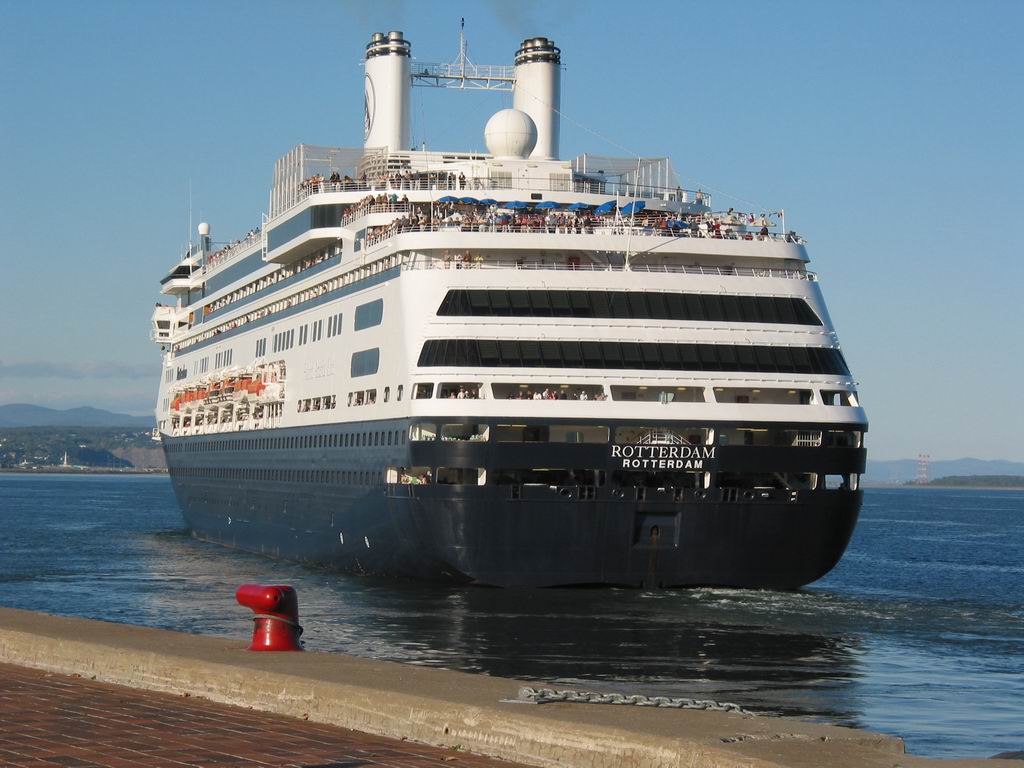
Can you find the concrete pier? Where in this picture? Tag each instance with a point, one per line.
(437, 707)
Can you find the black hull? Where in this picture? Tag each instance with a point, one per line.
(530, 535)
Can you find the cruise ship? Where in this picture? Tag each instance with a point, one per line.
(507, 368)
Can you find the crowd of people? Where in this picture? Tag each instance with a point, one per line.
(494, 218)
(265, 282)
(396, 180)
(213, 259)
(554, 394)
(462, 393)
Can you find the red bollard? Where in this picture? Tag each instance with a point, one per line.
(276, 623)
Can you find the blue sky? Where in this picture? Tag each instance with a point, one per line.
(890, 133)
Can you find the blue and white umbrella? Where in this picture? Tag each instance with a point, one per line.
(605, 208)
(547, 205)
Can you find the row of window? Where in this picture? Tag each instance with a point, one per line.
(221, 359)
(641, 482)
(339, 283)
(521, 433)
(311, 332)
(334, 325)
(641, 435)
(628, 305)
(326, 476)
(325, 403)
(617, 355)
(284, 340)
(369, 396)
(347, 439)
(261, 347)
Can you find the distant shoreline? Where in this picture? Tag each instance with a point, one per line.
(911, 487)
(80, 471)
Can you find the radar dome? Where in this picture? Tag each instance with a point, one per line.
(204, 229)
(510, 133)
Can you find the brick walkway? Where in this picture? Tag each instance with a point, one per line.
(54, 720)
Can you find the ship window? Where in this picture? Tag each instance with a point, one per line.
(801, 360)
(478, 303)
(713, 307)
(461, 476)
(520, 303)
(631, 355)
(770, 311)
(401, 387)
(618, 305)
(837, 397)
(413, 475)
(459, 391)
(560, 306)
(727, 357)
(543, 476)
(551, 354)
(369, 314)
(619, 355)
(612, 354)
(784, 359)
(765, 359)
(571, 355)
(423, 392)
(842, 438)
(580, 304)
(731, 311)
(467, 432)
(650, 355)
(489, 355)
(509, 354)
(422, 431)
(499, 302)
(592, 357)
(638, 305)
(836, 482)
(684, 306)
(786, 312)
(541, 303)
(366, 362)
(520, 433)
(530, 353)
(577, 433)
(387, 393)
(750, 309)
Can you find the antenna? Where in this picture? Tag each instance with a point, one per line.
(463, 55)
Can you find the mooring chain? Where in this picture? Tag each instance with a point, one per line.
(545, 695)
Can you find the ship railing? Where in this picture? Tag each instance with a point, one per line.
(228, 253)
(681, 269)
(446, 182)
(600, 228)
(366, 210)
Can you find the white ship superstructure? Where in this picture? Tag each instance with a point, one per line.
(508, 368)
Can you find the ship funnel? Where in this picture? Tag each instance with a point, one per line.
(538, 91)
(388, 92)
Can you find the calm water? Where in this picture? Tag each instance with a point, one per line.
(918, 632)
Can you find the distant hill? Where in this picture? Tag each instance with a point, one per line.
(24, 415)
(979, 481)
(905, 470)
